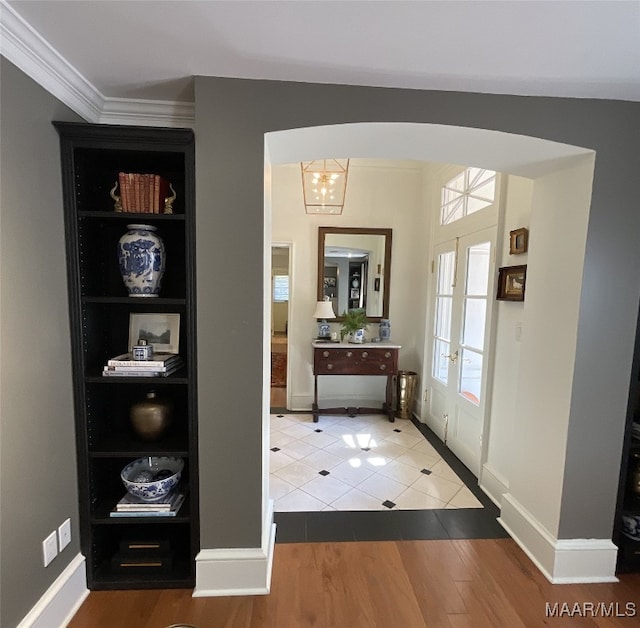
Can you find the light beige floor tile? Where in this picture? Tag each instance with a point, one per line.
(416, 500)
(437, 487)
(322, 459)
(381, 487)
(357, 500)
(426, 448)
(299, 449)
(389, 470)
(443, 470)
(278, 459)
(297, 501)
(319, 439)
(417, 459)
(464, 498)
(279, 439)
(297, 431)
(326, 488)
(400, 472)
(352, 471)
(388, 449)
(278, 487)
(297, 473)
(405, 439)
(345, 448)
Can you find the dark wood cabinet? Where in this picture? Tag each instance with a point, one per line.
(627, 524)
(99, 306)
(355, 359)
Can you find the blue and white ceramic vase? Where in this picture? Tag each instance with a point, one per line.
(141, 256)
(384, 329)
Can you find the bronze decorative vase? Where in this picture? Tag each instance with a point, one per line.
(151, 417)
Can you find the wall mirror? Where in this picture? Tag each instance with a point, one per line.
(354, 269)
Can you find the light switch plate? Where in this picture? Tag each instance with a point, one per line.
(64, 534)
(49, 549)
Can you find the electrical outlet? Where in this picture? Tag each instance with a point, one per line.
(64, 534)
(49, 549)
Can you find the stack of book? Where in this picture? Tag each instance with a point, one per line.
(124, 365)
(130, 506)
(142, 193)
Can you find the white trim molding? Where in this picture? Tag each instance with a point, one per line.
(493, 484)
(61, 600)
(30, 52)
(21, 44)
(237, 571)
(562, 561)
(148, 112)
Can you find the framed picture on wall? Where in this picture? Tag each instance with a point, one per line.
(511, 283)
(519, 241)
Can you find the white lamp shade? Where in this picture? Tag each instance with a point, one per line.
(324, 310)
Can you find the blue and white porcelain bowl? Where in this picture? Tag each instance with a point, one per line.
(153, 477)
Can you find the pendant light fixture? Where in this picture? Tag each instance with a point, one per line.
(324, 185)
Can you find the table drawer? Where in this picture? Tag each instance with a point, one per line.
(356, 361)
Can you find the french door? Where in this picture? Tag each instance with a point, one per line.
(463, 270)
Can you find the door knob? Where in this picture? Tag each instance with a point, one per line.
(452, 356)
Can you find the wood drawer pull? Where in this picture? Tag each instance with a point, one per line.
(387, 355)
(383, 367)
(325, 354)
(329, 367)
(349, 354)
(365, 354)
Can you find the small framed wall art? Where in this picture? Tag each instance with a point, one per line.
(160, 330)
(518, 241)
(511, 283)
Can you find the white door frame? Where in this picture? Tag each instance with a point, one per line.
(292, 283)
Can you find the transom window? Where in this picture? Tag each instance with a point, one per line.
(469, 192)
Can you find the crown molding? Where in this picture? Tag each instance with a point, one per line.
(147, 112)
(30, 52)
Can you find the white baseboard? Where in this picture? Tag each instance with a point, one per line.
(493, 484)
(62, 599)
(562, 561)
(237, 571)
(301, 403)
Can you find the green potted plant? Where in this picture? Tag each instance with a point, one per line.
(353, 321)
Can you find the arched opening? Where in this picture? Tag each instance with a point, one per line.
(561, 176)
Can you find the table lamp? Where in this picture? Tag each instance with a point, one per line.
(324, 310)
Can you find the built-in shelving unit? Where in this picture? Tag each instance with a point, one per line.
(629, 489)
(99, 306)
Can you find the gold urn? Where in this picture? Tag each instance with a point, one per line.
(151, 417)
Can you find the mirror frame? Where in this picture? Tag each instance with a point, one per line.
(324, 231)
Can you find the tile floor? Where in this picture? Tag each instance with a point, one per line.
(361, 463)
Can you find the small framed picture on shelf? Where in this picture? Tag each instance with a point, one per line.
(511, 283)
(518, 241)
(160, 330)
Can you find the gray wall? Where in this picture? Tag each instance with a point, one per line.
(232, 116)
(37, 451)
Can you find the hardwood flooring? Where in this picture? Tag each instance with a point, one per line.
(487, 583)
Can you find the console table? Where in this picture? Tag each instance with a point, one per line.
(369, 358)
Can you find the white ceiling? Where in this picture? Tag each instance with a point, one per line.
(151, 49)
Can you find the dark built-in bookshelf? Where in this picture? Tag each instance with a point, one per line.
(99, 306)
(628, 505)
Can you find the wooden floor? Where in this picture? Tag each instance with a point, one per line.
(387, 584)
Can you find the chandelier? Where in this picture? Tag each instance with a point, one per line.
(324, 185)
